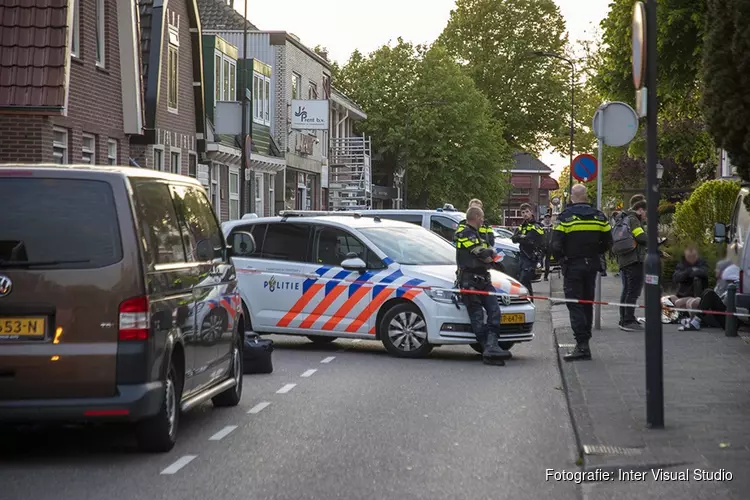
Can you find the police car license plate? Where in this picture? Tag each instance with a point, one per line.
(512, 319)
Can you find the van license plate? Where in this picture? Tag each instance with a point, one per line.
(512, 319)
(22, 327)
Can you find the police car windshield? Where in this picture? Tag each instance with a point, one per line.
(412, 246)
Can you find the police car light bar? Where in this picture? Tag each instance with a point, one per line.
(317, 213)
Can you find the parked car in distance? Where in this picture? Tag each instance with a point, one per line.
(118, 299)
(444, 223)
(329, 275)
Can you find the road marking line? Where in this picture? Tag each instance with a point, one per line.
(179, 464)
(260, 406)
(222, 433)
(308, 373)
(328, 359)
(286, 388)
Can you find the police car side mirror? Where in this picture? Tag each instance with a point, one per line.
(240, 244)
(720, 232)
(354, 264)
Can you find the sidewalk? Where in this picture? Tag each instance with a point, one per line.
(706, 406)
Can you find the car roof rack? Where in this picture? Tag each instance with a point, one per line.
(284, 214)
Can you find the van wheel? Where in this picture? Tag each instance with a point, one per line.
(321, 339)
(403, 331)
(506, 346)
(233, 395)
(158, 434)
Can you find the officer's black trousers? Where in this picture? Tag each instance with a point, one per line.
(476, 305)
(580, 283)
(528, 273)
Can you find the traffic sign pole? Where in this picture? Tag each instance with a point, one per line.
(600, 162)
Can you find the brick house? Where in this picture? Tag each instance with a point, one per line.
(52, 97)
(531, 183)
(173, 133)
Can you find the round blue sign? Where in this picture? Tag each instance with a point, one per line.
(585, 168)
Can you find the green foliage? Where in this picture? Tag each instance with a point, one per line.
(424, 111)
(530, 95)
(712, 202)
(726, 56)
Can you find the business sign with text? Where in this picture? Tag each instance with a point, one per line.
(309, 115)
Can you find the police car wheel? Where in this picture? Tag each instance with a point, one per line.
(403, 332)
(321, 339)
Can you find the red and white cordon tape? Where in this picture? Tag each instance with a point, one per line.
(467, 291)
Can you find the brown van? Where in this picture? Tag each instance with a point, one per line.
(118, 299)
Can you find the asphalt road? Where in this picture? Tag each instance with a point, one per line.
(350, 422)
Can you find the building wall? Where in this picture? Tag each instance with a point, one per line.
(27, 138)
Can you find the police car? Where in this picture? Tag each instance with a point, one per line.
(328, 275)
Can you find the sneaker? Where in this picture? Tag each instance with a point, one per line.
(631, 326)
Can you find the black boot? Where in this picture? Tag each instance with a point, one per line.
(493, 354)
(580, 352)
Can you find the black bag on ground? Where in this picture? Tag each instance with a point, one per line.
(257, 354)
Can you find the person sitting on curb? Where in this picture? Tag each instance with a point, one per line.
(690, 276)
(712, 300)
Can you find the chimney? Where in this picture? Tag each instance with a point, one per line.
(231, 3)
(324, 53)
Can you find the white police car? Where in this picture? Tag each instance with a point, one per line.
(327, 275)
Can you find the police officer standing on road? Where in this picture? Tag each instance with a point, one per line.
(581, 236)
(474, 258)
(530, 239)
(485, 230)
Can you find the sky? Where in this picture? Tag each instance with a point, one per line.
(343, 26)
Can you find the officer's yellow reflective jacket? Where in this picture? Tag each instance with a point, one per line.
(581, 231)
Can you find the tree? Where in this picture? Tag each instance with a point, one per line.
(530, 95)
(453, 145)
(726, 78)
(712, 202)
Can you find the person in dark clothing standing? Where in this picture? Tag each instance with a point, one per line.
(581, 236)
(691, 274)
(631, 266)
(530, 239)
(474, 258)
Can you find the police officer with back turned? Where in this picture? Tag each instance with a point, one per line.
(581, 236)
(474, 257)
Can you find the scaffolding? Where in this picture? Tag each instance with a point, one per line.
(350, 174)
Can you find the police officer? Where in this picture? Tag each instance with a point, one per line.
(485, 230)
(474, 257)
(581, 236)
(530, 239)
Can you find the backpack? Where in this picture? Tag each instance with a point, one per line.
(623, 241)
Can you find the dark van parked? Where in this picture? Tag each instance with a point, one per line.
(118, 299)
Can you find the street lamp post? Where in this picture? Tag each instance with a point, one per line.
(412, 107)
(553, 55)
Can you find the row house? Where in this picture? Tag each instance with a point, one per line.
(289, 72)
(531, 183)
(102, 82)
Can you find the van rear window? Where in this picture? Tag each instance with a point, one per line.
(58, 223)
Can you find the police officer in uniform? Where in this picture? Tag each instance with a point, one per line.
(474, 258)
(581, 236)
(485, 230)
(530, 238)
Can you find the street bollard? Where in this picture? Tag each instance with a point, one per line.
(732, 323)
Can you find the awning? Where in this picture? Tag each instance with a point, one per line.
(221, 153)
(267, 164)
(549, 183)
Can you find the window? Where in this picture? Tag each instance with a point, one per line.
(259, 205)
(60, 146)
(259, 233)
(88, 149)
(100, 33)
(226, 77)
(444, 226)
(326, 87)
(234, 194)
(412, 246)
(199, 224)
(296, 86)
(192, 165)
(261, 99)
(112, 152)
(218, 95)
(271, 195)
(215, 183)
(75, 44)
(157, 222)
(173, 70)
(312, 92)
(159, 159)
(333, 245)
(72, 221)
(174, 162)
(286, 241)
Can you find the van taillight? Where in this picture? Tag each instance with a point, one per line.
(134, 319)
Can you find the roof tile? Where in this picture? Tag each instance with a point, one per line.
(33, 52)
(217, 15)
